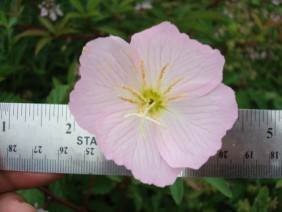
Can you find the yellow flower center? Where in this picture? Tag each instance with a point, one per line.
(152, 96)
(151, 101)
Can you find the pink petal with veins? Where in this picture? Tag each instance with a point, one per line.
(121, 140)
(194, 128)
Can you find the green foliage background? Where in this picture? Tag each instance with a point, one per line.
(39, 63)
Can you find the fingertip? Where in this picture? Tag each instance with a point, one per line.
(10, 202)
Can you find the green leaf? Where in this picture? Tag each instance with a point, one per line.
(102, 185)
(58, 94)
(137, 196)
(243, 99)
(278, 184)
(58, 188)
(92, 5)
(62, 23)
(114, 178)
(3, 19)
(112, 31)
(177, 190)
(261, 201)
(8, 69)
(77, 5)
(72, 72)
(41, 43)
(12, 22)
(66, 30)
(221, 185)
(56, 82)
(9, 97)
(45, 22)
(75, 15)
(33, 32)
(33, 196)
(256, 2)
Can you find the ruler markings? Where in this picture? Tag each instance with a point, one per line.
(242, 124)
(29, 110)
(62, 112)
(251, 118)
(41, 115)
(259, 119)
(33, 111)
(66, 114)
(17, 111)
(52, 107)
(74, 123)
(58, 112)
(267, 118)
(13, 105)
(9, 119)
(49, 113)
(37, 110)
(235, 165)
(25, 113)
(21, 111)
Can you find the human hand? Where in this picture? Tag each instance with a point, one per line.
(10, 181)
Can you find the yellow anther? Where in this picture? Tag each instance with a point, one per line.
(129, 100)
(172, 85)
(133, 92)
(161, 76)
(85, 50)
(175, 97)
(144, 82)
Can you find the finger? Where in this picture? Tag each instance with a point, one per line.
(10, 202)
(10, 181)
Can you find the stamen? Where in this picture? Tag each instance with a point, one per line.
(161, 76)
(175, 97)
(149, 108)
(144, 117)
(144, 83)
(85, 50)
(172, 85)
(129, 100)
(133, 92)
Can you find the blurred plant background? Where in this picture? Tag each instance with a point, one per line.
(40, 44)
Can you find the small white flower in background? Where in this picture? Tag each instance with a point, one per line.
(145, 5)
(275, 17)
(276, 2)
(50, 9)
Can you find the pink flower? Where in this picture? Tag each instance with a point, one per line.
(156, 105)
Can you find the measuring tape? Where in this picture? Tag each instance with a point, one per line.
(46, 138)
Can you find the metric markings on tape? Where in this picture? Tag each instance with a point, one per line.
(46, 138)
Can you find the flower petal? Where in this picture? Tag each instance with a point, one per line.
(199, 65)
(106, 64)
(121, 140)
(194, 128)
